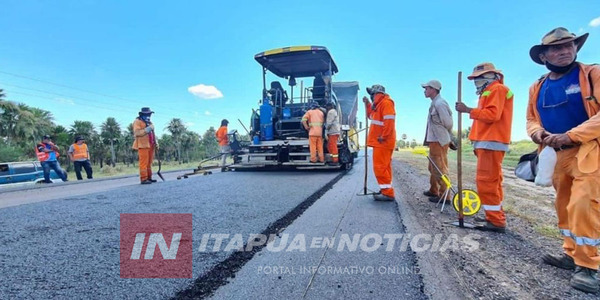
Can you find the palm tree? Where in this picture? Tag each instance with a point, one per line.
(176, 128)
(82, 128)
(9, 116)
(111, 131)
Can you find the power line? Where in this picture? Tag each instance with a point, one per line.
(85, 91)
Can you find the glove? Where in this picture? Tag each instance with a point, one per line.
(148, 129)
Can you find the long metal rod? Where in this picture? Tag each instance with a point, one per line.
(248, 132)
(366, 150)
(459, 156)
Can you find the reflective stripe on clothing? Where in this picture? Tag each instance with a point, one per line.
(580, 240)
(492, 118)
(389, 117)
(496, 146)
(315, 119)
(382, 167)
(382, 133)
(492, 207)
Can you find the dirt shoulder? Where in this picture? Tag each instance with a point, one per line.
(505, 266)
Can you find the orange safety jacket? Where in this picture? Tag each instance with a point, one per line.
(315, 119)
(383, 122)
(221, 135)
(587, 133)
(492, 119)
(43, 156)
(142, 138)
(80, 151)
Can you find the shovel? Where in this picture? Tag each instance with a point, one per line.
(156, 153)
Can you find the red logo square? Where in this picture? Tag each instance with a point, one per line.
(156, 246)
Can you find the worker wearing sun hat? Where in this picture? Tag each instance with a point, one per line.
(145, 143)
(563, 114)
(490, 134)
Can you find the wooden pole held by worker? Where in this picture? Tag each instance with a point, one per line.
(459, 155)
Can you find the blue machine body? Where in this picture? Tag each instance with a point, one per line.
(266, 121)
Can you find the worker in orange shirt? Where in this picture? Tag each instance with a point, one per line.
(223, 140)
(144, 143)
(563, 113)
(490, 134)
(382, 137)
(313, 121)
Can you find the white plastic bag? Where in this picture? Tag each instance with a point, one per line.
(546, 164)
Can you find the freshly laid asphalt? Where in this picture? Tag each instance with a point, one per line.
(69, 247)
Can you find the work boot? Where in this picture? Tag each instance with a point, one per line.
(563, 261)
(429, 194)
(382, 197)
(584, 279)
(487, 226)
(147, 181)
(152, 180)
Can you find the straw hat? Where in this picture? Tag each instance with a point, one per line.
(483, 68)
(557, 36)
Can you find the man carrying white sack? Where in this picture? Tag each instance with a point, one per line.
(563, 114)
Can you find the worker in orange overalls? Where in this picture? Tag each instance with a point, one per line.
(145, 143)
(382, 138)
(332, 125)
(313, 121)
(223, 140)
(563, 114)
(490, 134)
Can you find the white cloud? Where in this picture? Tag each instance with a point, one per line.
(189, 124)
(205, 91)
(595, 22)
(65, 101)
(207, 113)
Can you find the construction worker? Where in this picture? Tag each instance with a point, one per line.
(490, 134)
(382, 138)
(80, 156)
(437, 138)
(48, 153)
(563, 114)
(332, 128)
(145, 143)
(223, 140)
(313, 122)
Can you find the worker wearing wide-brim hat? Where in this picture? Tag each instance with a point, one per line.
(563, 114)
(490, 134)
(382, 138)
(145, 143)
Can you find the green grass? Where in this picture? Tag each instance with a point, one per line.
(516, 150)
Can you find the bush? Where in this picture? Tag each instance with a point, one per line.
(11, 153)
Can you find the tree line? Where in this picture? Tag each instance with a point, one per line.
(22, 126)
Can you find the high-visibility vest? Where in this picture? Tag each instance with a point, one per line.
(43, 156)
(80, 151)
